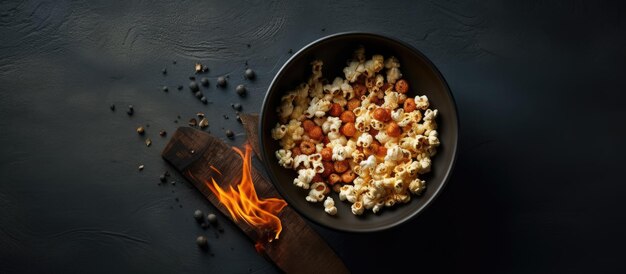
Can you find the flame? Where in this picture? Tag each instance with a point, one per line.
(243, 203)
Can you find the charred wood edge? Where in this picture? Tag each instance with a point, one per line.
(251, 125)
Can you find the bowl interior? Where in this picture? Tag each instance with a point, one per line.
(423, 78)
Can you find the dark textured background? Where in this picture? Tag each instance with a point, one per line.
(539, 85)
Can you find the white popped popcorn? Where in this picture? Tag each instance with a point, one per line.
(383, 137)
(395, 153)
(279, 131)
(353, 71)
(430, 115)
(347, 90)
(397, 115)
(364, 140)
(340, 152)
(370, 163)
(391, 100)
(393, 74)
(284, 158)
(424, 165)
(378, 206)
(417, 186)
(332, 124)
(357, 208)
(335, 87)
(374, 65)
(339, 100)
(347, 193)
(304, 178)
(301, 160)
(422, 102)
(329, 206)
(317, 192)
(316, 162)
(433, 138)
(363, 123)
(392, 62)
(317, 107)
(376, 162)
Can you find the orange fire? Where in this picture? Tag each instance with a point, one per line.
(243, 203)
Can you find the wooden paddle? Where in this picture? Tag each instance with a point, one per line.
(299, 250)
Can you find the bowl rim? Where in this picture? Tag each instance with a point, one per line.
(448, 173)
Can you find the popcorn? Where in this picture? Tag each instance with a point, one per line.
(377, 125)
(332, 124)
(417, 186)
(302, 94)
(412, 168)
(391, 100)
(370, 163)
(317, 192)
(347, 90)
(383, 138)
(335, 87)
(346, 193)
(359, 54)
(319, 120)
(392, 62)
(368, 201)
(319, 147)
(294, 130)
(336, 139)
(286, 106)
(379, 81)
(350, 146)
(375, 191)
(397, 115)
(365, 140)
(284, 158)
(390, 201)
(316, 67)
(401, 171)
(340, 100)
(301, 160)
(403, 198)
(393, 74)
(374, 65)
(433, 139)
(279, 131)
(381, 169)
(421, 102)
(359, 111)
(316, 90)
(357, 208)
(357, 157)
(340, 152)
(304, 178)
(362, 123)
(315, 161)
(401, 98)
(398, 185)
(424, 165)
(329, 206)
(430, 115)
(317, 108)
(406, 119)
(381, 180)
(353, 71)
(377, 207)
(395, 153)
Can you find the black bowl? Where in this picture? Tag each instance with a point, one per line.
(423, 77)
